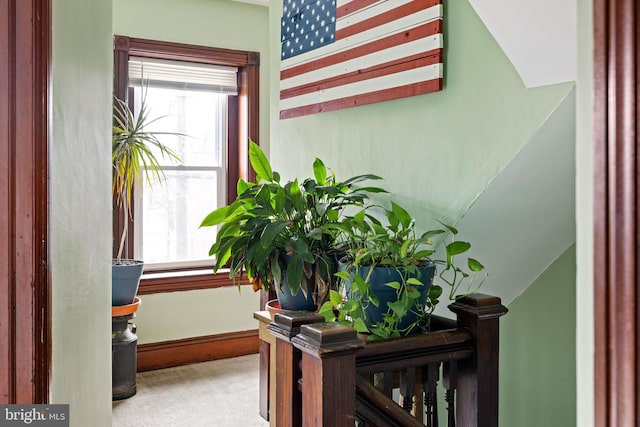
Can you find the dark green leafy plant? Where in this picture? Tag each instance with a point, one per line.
(299, 219)
(132, 156)
(396, 246)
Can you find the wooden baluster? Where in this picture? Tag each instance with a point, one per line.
(430, 377)
(449, 373)
(384, 382)
(407, 388)
(329, 374)
(288, 397)
(478, 375)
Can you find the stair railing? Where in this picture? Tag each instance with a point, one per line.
(327, 376)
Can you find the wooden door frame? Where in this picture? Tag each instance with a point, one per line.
(25, 304)
(616, 186)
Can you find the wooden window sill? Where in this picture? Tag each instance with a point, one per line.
(156, 283)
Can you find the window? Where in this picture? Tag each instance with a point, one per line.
(192, 100)
(211, 97)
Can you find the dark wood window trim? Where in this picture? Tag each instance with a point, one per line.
(245, 106)
(616, 115)
(25, 298)
(155, 283)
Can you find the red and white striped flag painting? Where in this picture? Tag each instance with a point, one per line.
(344, 53)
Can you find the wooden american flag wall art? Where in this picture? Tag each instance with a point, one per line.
(344, 53)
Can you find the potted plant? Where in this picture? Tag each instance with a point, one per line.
(284, 235)
(133, 155)
(388, 274)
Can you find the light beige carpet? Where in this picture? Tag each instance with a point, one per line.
(222, 393)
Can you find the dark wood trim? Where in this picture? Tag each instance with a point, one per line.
(6, 118)
(616, 188)
(265, 359)
(120, 91)
(25, 316)
(253, 112)
(166, 354)
(184, 52)
(233, 149)
(42, 21)
(163, 283)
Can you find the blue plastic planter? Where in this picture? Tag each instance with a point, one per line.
(125, 279)
(377, 283)
(287, 300)
(299, 301)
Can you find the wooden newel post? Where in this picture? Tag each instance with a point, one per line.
(288, 398)
(478, 375)
(328, 374)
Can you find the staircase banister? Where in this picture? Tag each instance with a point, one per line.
(328, 368)
(288, 403)
(416, 343)
(478, 375)
(415, 351)
(382, 407)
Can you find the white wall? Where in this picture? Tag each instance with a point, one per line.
(80, 210)
(539, 37)
(584, 217)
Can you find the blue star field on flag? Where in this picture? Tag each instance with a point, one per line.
(307, 25)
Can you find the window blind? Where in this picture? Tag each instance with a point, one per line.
(183, 75)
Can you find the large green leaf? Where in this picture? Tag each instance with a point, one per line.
(279, 199)
(402, 215)
(215, 217)
(319, 171)
(242, 186)
(360, 178)
(263, 198)
(360, 326)
(414, 281)
(294, 274)
(431, 233)
(259, 162)
(370, 190)
(457, 248)
(301, 249)
(474, 265)
(394, 285)
(434, 292)
(449, 227)
(271, 232)
(295, 195)
(276, 272)
(398, 308)
(359, 217)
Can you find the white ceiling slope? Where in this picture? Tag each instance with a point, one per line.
(525, 218)
(538, 36)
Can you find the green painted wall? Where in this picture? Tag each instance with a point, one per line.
(218, 23)
(437, 152)
(80, 210)
(538, 353)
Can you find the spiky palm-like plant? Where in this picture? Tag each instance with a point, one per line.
(133, 156)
